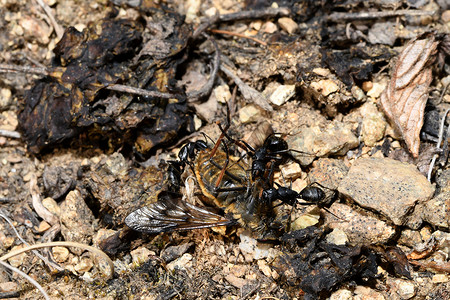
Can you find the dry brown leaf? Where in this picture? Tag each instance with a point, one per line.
(440, 267)
(424, 250)
(405, 97)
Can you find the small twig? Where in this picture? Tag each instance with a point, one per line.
(205, 25)
(206, 89)
(243, 15)
(438, 145)
(7, 200)
(31, 280)
(52, 264)
(13, 294)
(249, 93)
(40, 209)
(256, 14)
(112, 87)
(63, 244)
(443, 93)
(366, 15)
(10, 134)
(239, 35)
(58, 29)
(141, 92)
(51, 233)
(254, 289)
(32, 60)
(4, 68)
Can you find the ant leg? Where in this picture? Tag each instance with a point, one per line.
(219, 140)
(232, 189)
(215, 164)
(306, 203)
(328, 211)
(240, 143)
(224, 169)
(269, 179)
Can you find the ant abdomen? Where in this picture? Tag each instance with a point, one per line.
(312, 194)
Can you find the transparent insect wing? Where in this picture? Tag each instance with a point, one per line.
(172, 214)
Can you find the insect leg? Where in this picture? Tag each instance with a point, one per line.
(219, 140)
(222, 172)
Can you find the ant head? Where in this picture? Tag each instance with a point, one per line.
(175, 165)
(201, 145)
(269, 195)
(275, 143)
(187, 152)
(183, 155)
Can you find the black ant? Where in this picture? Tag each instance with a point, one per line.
(274, 150)
(313, 194)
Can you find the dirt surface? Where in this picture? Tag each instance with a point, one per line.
(89, 154)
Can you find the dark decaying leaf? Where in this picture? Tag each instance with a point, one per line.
(317, 267)
(56, 107)
(405, 97)
(72, 99)
(355, 63)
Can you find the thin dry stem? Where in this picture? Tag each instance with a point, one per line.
(49, 263)
(206, 89)
(238, 35)
(366, 15)
(48, 11)
(63, 244)
(31, 280)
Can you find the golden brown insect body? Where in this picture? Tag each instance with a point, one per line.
(235, 192)
(226, 183)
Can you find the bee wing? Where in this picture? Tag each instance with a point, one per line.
(171, 214)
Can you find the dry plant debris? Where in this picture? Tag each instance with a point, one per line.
(406, 95)
(137, 79)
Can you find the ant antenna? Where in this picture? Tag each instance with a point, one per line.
(207, 137)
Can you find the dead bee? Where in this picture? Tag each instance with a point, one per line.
(225, 183)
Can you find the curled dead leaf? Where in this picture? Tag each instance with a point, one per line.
(405, 97)
(424, 250)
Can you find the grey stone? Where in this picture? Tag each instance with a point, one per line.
(387, 186)
(77, 220)
(359, 228)
(336, 139)
(436, 211)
